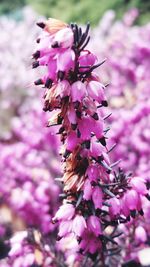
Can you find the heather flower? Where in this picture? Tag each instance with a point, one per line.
(94, 225)
(63, 38)
(65, 212)
(127, 72)
(115, 207)
(28, 249)
(78, 91)
(95, 197)
(140, 234)
(96, 91)
(79, 225)
(87, 190)
(139, 185)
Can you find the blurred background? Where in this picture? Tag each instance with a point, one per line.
(29, 159)
(79, 11)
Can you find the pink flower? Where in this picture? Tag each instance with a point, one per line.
(86, 58)
(131, 202)
(65, 60)
(96, 91)
(140, 234)
(65, 212)
(78, 91)
(65, 228)
(71, 114)
(98, 127)
(87, 190)
(97, 197)
(79, 225)
(94, 225)
(63, 38)
(63, 88)
(90, 243)
(92, 172)
(72, 141)
(90, 105)
(52, 67)
(96, 149)
(138, 184)
(115, 207)
(84, 125)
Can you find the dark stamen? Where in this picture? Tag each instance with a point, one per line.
(48, 83)
(38, 82)
(36, 55)
(41, 24)
(35, 64)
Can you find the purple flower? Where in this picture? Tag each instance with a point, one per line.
(95, 196)
(65, 212)
(94, 225)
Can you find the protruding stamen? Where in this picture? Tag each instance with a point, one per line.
(41, 24)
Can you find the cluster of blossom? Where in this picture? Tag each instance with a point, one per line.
(28, 248)
(127, 69)
(128, 53)
(136, 239)
(131, 132)
(27, 173)
(95, 197)
(15, 60)
(28, 193)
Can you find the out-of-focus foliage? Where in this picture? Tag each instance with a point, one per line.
(8, 5)
(79, 10)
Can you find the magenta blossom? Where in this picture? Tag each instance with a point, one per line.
(96, 197)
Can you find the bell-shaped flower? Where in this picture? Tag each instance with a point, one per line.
(98, 128)
(79, 225)
(96, 149)
(138, 184)
(94, 245)
(89, 105)
(44, 46)
(86, 58)
(124, 207)
(63, 88)
(97, 197)
(132, 200)
(140, 234)
(71, 114)
(94, 225)
(96, 91)
(65, 228)
(78, 91)
(52, 68)
(65, 212)
(72, 141)
(65, 60)
(115, 207)
(84, 125)
(87, 190)
(63, 38)
(92, 172)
